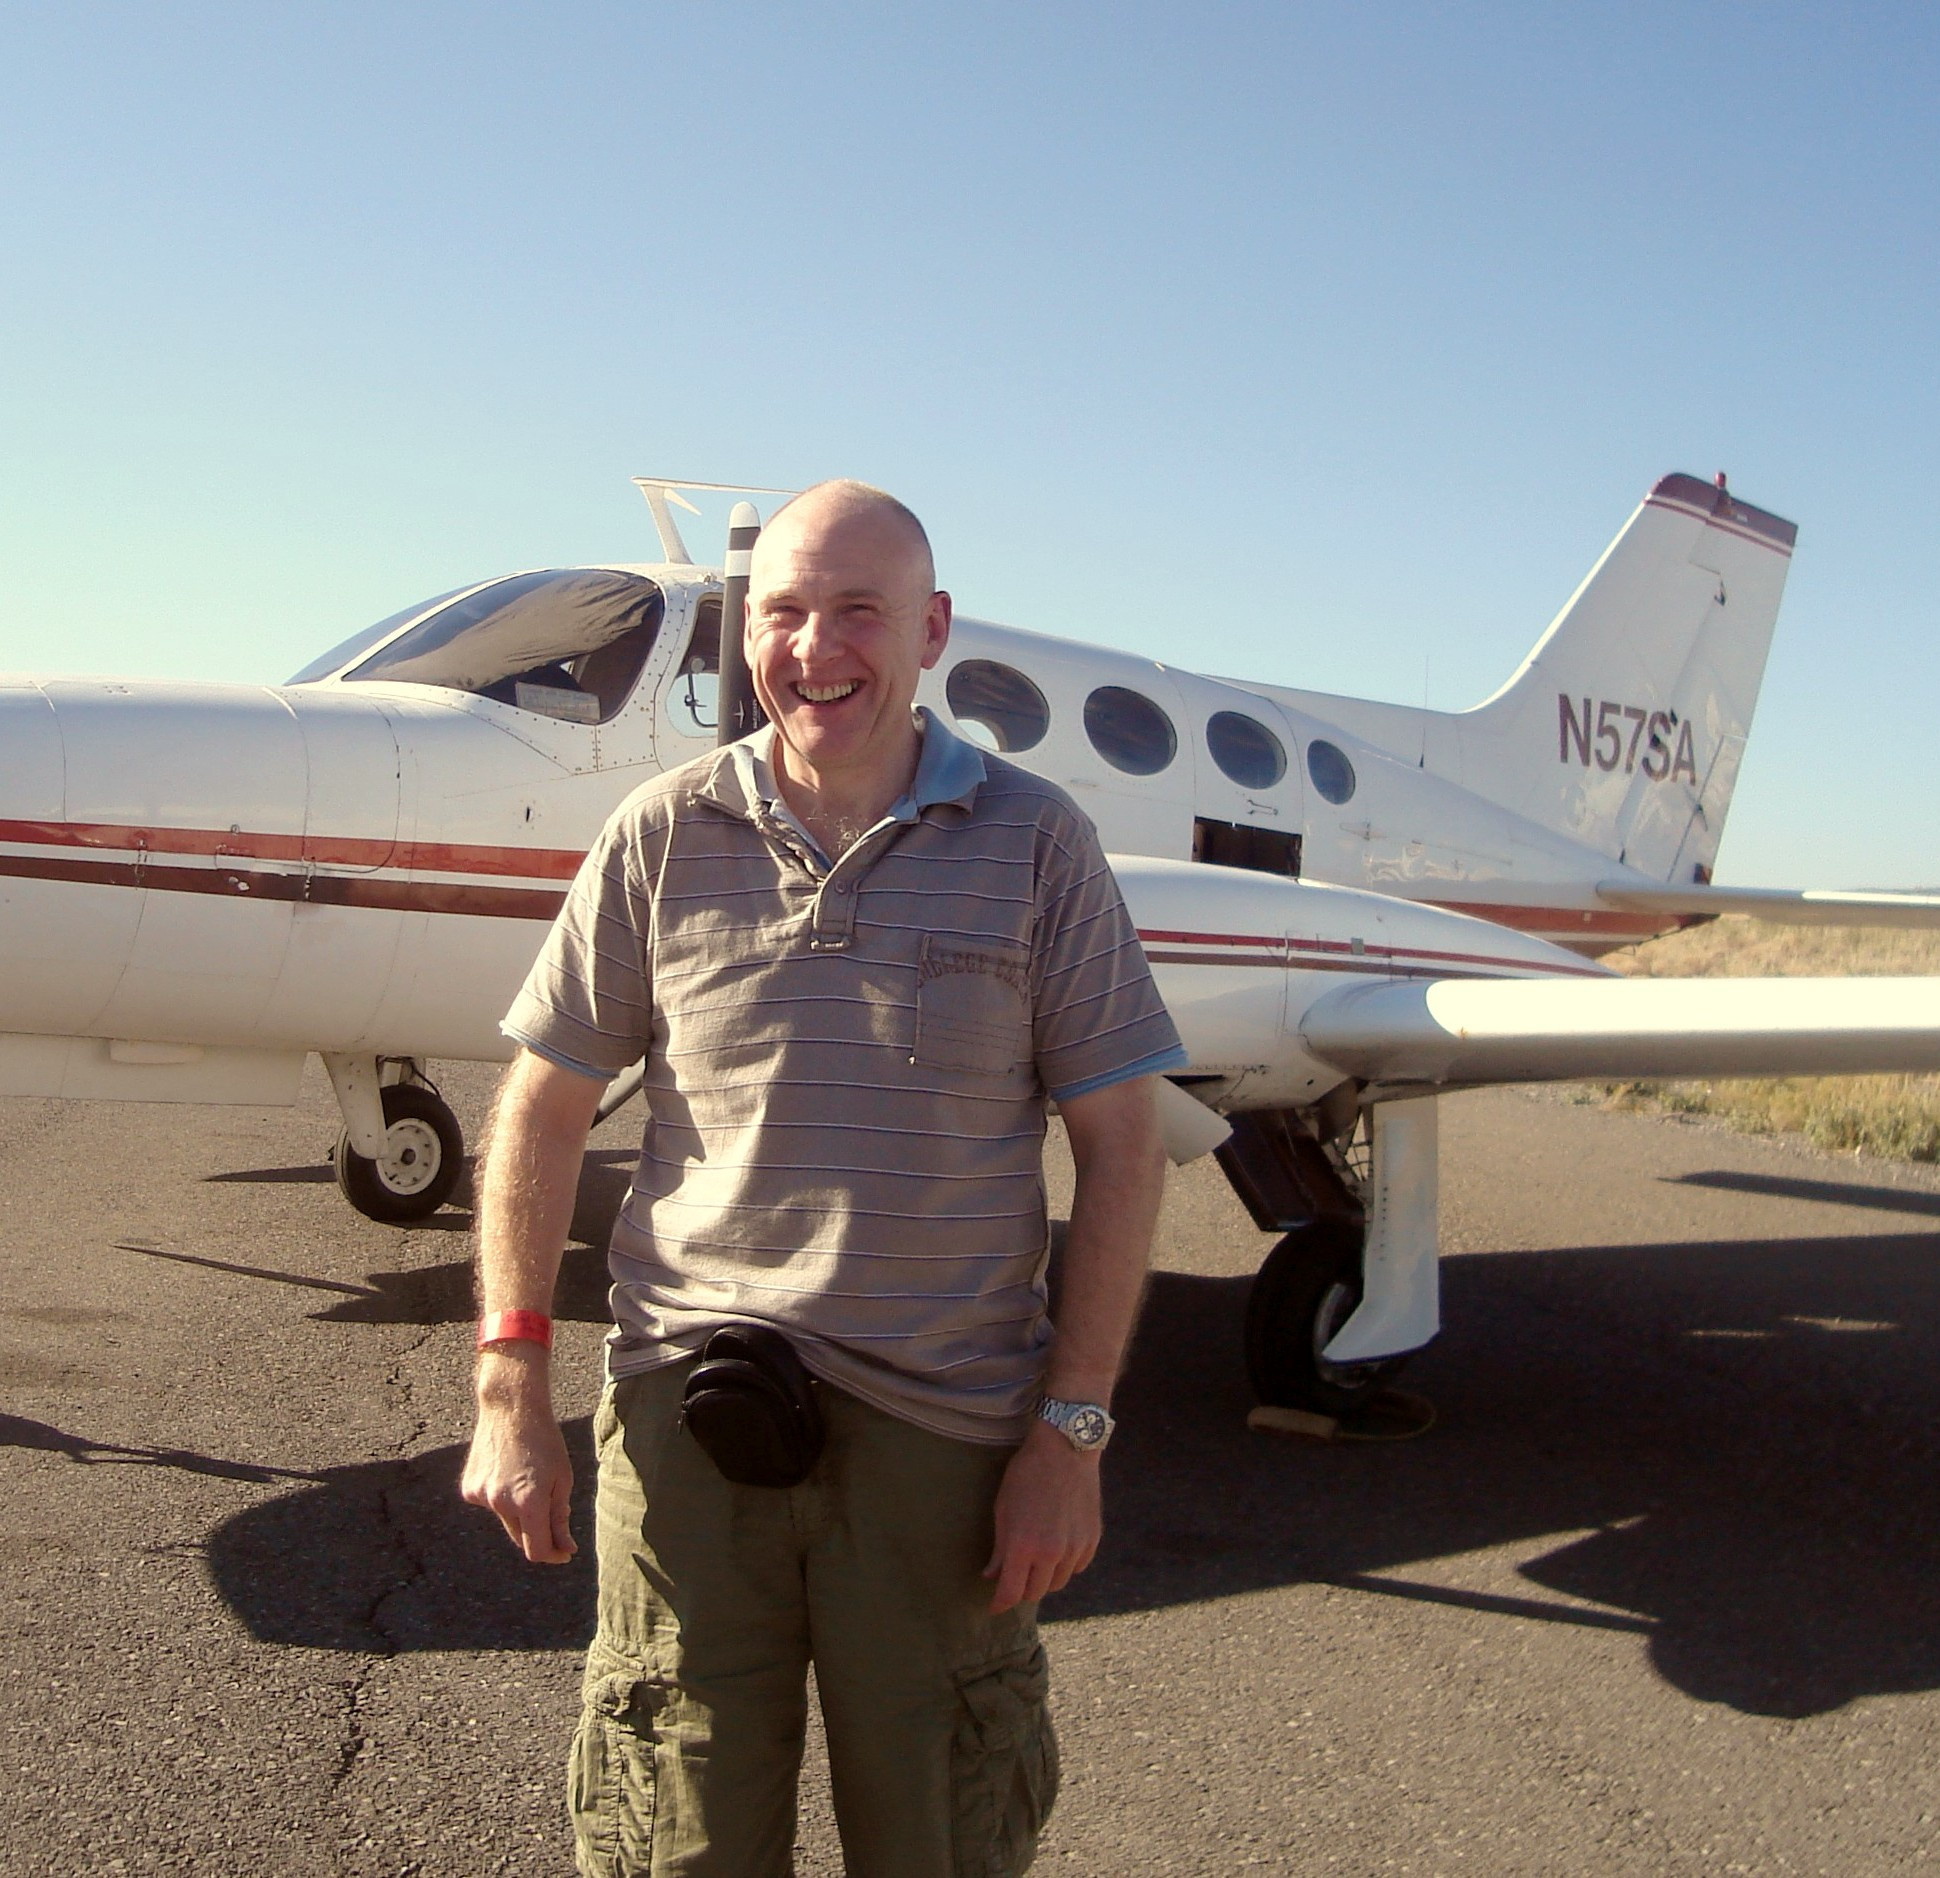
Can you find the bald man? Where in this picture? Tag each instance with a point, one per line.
(858, 955)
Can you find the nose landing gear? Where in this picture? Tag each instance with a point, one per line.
(402, 1151)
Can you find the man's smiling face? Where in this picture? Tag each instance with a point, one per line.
(843, 619)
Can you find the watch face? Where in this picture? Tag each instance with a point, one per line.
(1087, 1427)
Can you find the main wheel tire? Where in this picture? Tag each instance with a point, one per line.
(1307, 1288)
(424, 1153)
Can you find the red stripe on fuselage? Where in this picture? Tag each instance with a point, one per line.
(228, 845)
(242, 883)
(222, 844)
(1297, 954)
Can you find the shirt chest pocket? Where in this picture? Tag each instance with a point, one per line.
(972, 1005)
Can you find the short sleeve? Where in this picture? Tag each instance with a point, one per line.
(587, 1003)
(1097, 1017)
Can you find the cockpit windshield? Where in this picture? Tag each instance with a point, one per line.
(566, 643)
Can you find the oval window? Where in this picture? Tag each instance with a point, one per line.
(1245, 750)
(1333, 774)
(1129, 731)
(999, 701)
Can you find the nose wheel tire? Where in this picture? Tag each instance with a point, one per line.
(424, 1153)
(1307, 1289)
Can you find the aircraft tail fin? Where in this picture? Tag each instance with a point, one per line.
(1625, 727)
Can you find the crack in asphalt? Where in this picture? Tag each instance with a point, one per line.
(398, 1531)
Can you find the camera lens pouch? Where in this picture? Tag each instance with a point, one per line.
(751, 1405)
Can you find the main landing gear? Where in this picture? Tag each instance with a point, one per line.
(402, 1151)
(1320, 1189)
(1309, 1286)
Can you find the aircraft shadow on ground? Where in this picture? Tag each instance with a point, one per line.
(442, 1293)
(1733, 1443)
(1730, 1448)
(1914, 1200)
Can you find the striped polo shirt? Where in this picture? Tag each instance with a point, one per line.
(847, 1066)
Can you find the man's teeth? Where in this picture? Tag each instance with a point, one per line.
(826, 694)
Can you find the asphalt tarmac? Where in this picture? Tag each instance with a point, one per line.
(1659, 1593)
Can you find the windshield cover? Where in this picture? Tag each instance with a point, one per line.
(341, 654)
(566, 643)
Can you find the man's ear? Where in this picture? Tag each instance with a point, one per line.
(936, 627)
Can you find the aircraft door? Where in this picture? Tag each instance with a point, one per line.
(1248, 800)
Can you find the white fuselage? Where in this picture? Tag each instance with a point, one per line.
(367, 868)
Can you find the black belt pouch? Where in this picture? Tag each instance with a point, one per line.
(751, 1405)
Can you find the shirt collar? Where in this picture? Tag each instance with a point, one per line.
(949, 769)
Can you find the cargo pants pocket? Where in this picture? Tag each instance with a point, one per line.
(1004, 1765)
(610, 1778)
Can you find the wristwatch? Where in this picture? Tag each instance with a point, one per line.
(1086, 1425)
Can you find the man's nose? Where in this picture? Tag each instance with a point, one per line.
(816, 637)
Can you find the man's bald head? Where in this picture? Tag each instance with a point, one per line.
(845, 503)
(844, 617)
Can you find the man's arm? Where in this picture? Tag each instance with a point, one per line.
(518, 1465)
(1048, 1512)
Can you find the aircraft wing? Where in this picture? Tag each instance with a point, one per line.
(1455, 1031)
(1810, 906)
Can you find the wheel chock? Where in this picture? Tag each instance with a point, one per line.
(1387, 1415)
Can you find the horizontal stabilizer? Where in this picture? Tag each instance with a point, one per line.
(1453, 1031)
(1811, 906)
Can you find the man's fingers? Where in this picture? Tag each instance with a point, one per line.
(1025, 1576)
(563, 1543)
(1013, 1578)
(518, 1469)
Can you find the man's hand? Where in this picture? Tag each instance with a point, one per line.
(517, 1465)
(1048, 1519)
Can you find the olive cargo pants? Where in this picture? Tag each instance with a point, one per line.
(713, 1599)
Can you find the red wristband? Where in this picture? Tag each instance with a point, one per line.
(515, 1327)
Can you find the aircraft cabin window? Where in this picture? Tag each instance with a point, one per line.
(1000, 702)
(1129, 731)
(567, 643)
(1245, 750)
(340, 655)
(1333, 774)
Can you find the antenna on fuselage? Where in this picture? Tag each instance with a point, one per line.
(738, 714)
(662, 492)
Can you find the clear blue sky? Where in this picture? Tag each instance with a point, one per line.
(1328, 345)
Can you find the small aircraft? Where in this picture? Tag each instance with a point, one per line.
(1351, 907)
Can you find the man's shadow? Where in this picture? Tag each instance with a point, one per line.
(1730, 1449)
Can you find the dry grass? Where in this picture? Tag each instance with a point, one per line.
(1893, 1117)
